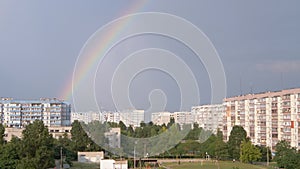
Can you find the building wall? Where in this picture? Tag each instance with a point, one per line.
(132, 117)
(87, 157)
(160, 118)
(183, 118)
(267, 117)
(85, 117)
(114, 137)
(209, 117)
(56, 131)
(19, 113)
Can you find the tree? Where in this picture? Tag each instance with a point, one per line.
(221, 149)
(80, 139)
(286, 157)
(249, 152)
(66, 144)
(37, 147)
(9, 154)
(2, 130)
(237, 135)
(265, 151)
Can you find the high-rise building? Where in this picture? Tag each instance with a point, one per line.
(85, 117)
(110, 116)
(160, 118)
(183, 118)
(209, 117)
(132, 117)
(19, 113)
(267, 117)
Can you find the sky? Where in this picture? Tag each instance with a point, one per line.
(41, 42)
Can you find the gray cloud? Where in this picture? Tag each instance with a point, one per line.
(282, 66)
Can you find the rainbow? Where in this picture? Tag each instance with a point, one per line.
(93, 56)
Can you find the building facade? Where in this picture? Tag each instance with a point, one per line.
(267, 117)
(19, 113)
(85, 117)
(132, 117)
(56, 131)
(160, 118)
(182, 118)
(209, 117)
(113, 137)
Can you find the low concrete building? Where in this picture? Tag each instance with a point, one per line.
(11, 132)
(56, 131)
(112, 164)
(59, 131)
(90, 157)
(114, 137)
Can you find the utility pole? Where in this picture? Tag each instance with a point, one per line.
(61, 158)
(134, 157)
(267, 156)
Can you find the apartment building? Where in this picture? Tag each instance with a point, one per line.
(209, 117)
(110, 117)
(85, 117)
(182, 118)
(19, 113)
(267, 117)
(132, 117)
(160, 118)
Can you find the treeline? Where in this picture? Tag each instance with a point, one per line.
(199, 143)
(38, 149)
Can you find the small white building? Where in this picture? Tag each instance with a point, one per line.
(112, 164)
(88, 157)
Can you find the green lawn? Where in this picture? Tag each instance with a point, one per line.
(196, 165)
(211, 165)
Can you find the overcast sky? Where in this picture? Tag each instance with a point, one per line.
(258, 43)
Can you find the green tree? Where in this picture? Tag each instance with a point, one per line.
(249, 152)
(80, 139)
(9, 154)
(286, 157)
(66, 144)
(265, 151)
(2, 130)
(221, 148)
(237, 135)
(37, 146)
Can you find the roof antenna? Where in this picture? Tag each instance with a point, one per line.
(281, 79)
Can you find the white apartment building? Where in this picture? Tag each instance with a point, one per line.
(19, 113)
(160, 118)
(267, 117)
(85, 117)
(132, 117)
(128, 117)
(110, 117)
(183, 118)
(209, 117)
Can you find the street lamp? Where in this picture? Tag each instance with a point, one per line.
(134, 154)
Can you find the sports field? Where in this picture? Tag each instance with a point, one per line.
(213, 165)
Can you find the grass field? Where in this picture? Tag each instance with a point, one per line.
(210, 165)
(186, 165)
